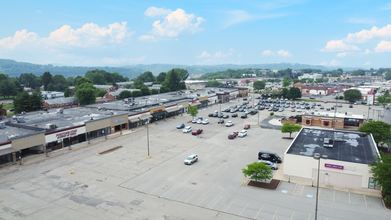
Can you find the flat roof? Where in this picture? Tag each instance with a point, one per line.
(355, 147)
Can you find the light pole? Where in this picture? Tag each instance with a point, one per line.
(317, 157)
(147, 136)
(335, 112)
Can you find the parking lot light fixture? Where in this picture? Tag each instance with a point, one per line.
(318, 157)
(149, 156)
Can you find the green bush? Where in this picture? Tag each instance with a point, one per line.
(271, 113)
(387, 199)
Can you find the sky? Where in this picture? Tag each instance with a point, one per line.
(117, 33)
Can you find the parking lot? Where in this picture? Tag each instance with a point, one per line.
(125, 184)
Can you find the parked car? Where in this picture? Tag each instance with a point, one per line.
(364, 102)
(234, 115)
(221, 121)
(270, 156)
(210, 115)
(232, 136)
(325, 101)
(229, 123)
(270, 164)
(292, 110)
(11, 109)
(244, 115)
(247, 126)
(332, 108)
(191, 159)
(199, 121)
(321, 107)
(225, 116)
(318, 104)
(242, 133)
(220, 115)
(327, 109)
(206, 121)
(197, 131)
(194, 121)
(215, 115)
(180, 126)
(339, 105)
(187, 129)
(350, 106)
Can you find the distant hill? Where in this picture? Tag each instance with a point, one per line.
(14, 68)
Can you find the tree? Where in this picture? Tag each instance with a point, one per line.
(137, 94)
(29, 80)
(235, 82)
(175, 79)
(383, 100)
(22, 102)
(286, 83)
(258, 171)
(294, 93)
(161, 77)
(290, 128)
(70, 81)
(258, 85)
(338, 79)
(380, 169)
(145, 77)
(352, 95)
(193, 111)
(101, 93)
(66, 92)
(154, 91)
(247, 81)
(379, 130)
(85, 92)
(7, 88)
(213, 83)
(46, 79)
(36, 102)
(125, 94)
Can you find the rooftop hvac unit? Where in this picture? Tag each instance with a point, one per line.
(9, 137)
(60, 111)
(327, 142)
(198, 95)
(50, 126)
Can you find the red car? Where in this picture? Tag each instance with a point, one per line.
(247, 126)
(233, 135)
(197, 131)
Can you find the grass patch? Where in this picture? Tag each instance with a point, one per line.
(306, 100)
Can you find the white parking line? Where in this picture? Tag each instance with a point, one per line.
(244, 209)
(180, 193)
(229, 205)
(292, 215)
(216, 203)
(190, 197)
(301, 191)
(154, 190)
(309, 217)
(203, 199)
(275, 214)
(349, 198)
(334, 196)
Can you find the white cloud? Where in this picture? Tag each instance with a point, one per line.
(239, 16)
(108, 60)
(332, 63)
(284, 53)
(367, 52)
(146, 38)
(338, 45)
(367, 35)
(387, 7)
(383, 46)
(177, 22)
(268, 53)
(203, 55)
(156, 12)
(367, 63)
(90, 35)
(240, 55)
(219, 55)
(38, 11)
(343, 54)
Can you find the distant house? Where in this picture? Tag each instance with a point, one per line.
(123, 84)
(60, 102)
(51, 94)
(108, 88)
(192, 76)
(115, 95)
(148, 84)
(27, 89)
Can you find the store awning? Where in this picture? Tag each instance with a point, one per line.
(159, 113)
(133, 119)
(7, 150)
(173, 109)
(205, 101)
(143, 117)
(195, 104)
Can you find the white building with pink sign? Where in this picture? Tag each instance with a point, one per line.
(344, 159)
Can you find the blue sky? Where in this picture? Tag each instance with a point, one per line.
(102, 33)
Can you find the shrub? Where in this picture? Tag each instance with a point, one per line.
(271, 113)
(387, 200)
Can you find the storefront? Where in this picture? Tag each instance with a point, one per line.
(158, 113)
(172, 111)
(204, 102)
(139, 120)
(183, 107)
(223, 97)
(29, 144)
(196, 104)
(119, 123)
(65, 137)
(6, 151)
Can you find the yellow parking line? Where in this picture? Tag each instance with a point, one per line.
(216, 203)
(229, 205)
(191, 196)
(203, 199)
(244, 209)
(275, 214)
(180, 193)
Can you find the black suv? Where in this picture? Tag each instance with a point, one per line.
(244, 115)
